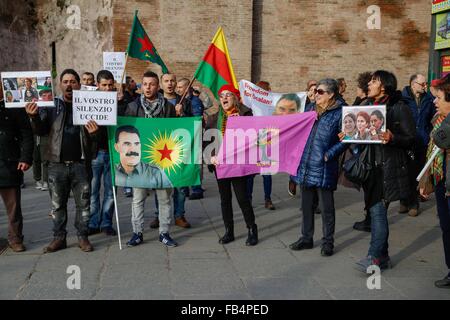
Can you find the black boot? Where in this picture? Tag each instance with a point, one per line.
(252, 239)
(363, 225)
(228, 236)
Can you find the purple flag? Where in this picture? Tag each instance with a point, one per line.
(264, 145)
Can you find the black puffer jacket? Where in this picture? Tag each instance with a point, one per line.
(394, 155)
(16, 144)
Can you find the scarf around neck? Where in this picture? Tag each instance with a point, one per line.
(153, 109)
(437, 168)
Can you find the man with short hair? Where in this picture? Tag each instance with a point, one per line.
(151, 104)
(287, 104)
(197, 110)
(88, 79)
(100, 219)
(16, 157)
(69, 154)
(421, 105)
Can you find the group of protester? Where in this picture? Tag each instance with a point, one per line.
(77, 159)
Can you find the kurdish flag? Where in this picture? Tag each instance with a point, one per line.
(141, 47)
(216, 69)
(155, 153)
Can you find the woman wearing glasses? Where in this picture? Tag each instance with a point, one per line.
(318, 169)
(229, 102)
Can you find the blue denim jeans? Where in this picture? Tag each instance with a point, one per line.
(443, 209)
(267, 183)
(197, 189)
(179, 198)
(380, 231)
(101, 216)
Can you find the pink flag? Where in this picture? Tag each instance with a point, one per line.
(264, 145)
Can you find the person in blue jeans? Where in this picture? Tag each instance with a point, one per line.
(100, 219)
(197, 111)
(267, 183)
(436, 176)
(388, 179)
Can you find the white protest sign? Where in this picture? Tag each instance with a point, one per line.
(88, 88)
(263, 103)
(115, 62)
(19, 88)
(99, 106)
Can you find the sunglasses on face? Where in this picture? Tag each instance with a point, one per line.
(319, 91)
(226, 94)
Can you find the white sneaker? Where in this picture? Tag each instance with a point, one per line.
(38, 185)
(44, 186)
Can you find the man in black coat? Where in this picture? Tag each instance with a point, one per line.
(16, 156)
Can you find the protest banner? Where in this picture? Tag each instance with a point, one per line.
(363, 124)
(115, 62)
(264, 145)
(19, 88)
(155, 152)
(264, 103)
(99, 106)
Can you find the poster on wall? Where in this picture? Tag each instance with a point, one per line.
(442, 31)
(440, 5)
(445, 66)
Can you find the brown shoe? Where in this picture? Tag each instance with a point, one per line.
(414, 212)
(269, 205)
(292, 189)
(85, 245)
(55, 245)
(155, 223)
(403, 209)
(181, 222)
(17, 247)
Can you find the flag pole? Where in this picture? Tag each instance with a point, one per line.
(114, 190)
(187, 90)
(123, 74)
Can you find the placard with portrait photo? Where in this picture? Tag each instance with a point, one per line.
(363, 124)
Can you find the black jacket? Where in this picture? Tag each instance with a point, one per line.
(135, 109)
(51, 121)
(16, 144)
(393, 157)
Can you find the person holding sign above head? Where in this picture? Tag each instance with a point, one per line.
(151, 104)
(102, 212)
(69, 155)
(16, 154)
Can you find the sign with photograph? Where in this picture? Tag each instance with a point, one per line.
(115, 62)
(265, 103)
(19, 88)
(363, 124)
(99, 106)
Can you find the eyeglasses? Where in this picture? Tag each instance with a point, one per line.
(226, 94)
(319, 91)
(423, 84)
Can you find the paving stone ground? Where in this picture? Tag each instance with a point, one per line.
(202, 269)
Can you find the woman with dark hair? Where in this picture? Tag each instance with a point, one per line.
(318, 170)
(376, 124)
(362, 88)
(349, 125)
(229, 102)
(436, 176)
(388, 179)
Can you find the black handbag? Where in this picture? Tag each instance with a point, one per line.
(357, 169)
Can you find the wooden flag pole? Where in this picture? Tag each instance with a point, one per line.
(187, 90)
(123, 74)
